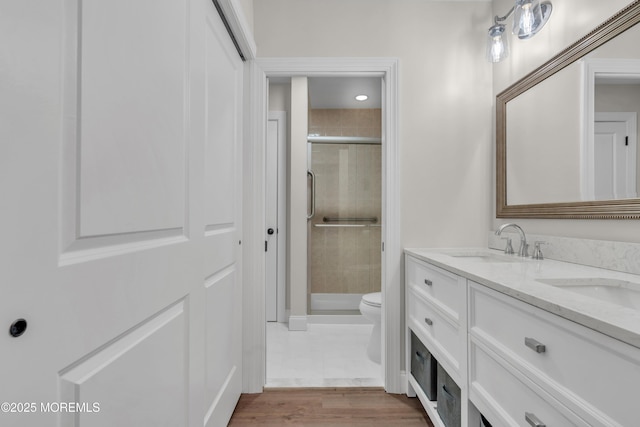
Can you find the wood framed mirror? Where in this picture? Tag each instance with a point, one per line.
(536, 183)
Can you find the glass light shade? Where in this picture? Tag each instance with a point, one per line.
(529, 17)
(497, 43)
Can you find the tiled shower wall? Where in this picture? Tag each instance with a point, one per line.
(348, 184)
(345, 122)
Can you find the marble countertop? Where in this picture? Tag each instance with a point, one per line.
(518, 277)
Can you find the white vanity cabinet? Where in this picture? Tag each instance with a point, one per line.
(525, 360)
(517, 364)
(436, 308)
(436, 312)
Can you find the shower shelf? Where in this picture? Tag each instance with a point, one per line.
(372, 219)
(339, 222)
(347, 225)
(344, 140)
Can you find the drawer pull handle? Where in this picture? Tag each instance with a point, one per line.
(428, 282)
(428, 321)
(450, 397)
(533, 420)
(535, 345)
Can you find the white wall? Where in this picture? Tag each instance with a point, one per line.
(570, 21)
(297, 202)
(247, 11)
(445, 102)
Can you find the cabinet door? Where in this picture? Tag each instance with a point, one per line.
(440, 336)
(507, 397)
(442, 288)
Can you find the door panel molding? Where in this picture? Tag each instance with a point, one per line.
(113, 149)
(124, 363)
(221, 333)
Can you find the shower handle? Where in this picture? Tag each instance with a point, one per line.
(313, 194)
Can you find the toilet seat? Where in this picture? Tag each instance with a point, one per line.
(373, 299)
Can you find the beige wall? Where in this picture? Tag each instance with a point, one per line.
(247, 11)
(297, 191)
(445, 102)
(571, 20)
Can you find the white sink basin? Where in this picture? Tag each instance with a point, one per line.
(620, 292)
(481, 256)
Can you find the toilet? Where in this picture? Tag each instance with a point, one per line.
(370, 307)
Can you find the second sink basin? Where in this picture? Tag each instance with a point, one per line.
(620, 292)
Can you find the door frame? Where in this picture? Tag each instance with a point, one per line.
(254, 334)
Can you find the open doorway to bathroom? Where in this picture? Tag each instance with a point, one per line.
(336, 345)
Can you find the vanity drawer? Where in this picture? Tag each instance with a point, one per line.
(508, 396)
(444, 289)
(595, 374)
(441, 337)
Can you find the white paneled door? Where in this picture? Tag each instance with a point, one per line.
(614, 168)
(120, 200)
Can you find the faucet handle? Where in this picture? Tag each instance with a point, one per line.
(537, 253)
(508, 249)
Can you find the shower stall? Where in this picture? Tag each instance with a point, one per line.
(344, 209)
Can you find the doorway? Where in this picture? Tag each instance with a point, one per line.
(275, 216)
(342, 234)
(610, 157)
(254, 325)
(613, 173)
(344, 161)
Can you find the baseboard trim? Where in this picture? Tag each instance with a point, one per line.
(297, 323)
(338, 319)
(404, 385)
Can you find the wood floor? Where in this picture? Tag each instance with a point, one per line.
(328, 407)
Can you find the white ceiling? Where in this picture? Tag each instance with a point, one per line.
(340, 92)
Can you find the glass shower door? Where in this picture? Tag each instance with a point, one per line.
(344, 234)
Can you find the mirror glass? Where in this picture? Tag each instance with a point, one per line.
(543, 141)
(567, 134)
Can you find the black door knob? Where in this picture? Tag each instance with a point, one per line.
(17, 328)
(270, 231)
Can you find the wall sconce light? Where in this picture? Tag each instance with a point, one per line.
(529, 16)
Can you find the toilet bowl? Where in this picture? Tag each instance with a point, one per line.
(370, 307)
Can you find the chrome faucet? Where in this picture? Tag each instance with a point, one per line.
(523, 251)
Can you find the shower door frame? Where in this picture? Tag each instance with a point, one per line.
(254, 334)
(346, 301)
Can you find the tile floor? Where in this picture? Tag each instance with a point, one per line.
(323, 356)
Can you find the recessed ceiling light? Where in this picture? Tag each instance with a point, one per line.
(361, 97)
